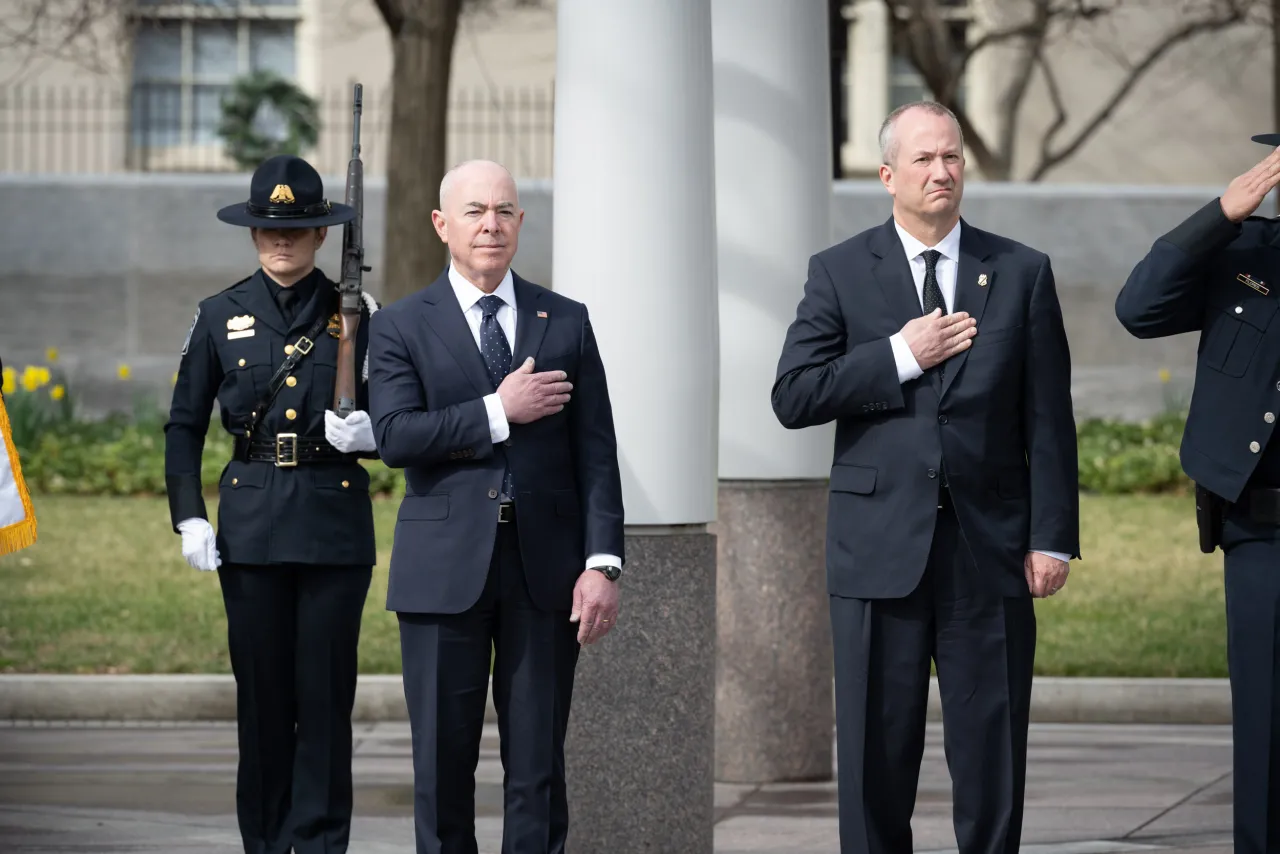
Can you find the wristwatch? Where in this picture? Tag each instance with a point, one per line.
(612, 573)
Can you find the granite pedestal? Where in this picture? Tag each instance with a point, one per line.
(639, 752)
(774, 713)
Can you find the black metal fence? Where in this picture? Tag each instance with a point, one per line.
(172, 128)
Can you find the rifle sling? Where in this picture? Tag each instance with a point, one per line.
(301, 348)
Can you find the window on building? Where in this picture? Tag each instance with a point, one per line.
(187, 54)
(905, 83)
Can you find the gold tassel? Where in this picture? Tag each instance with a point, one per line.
(22, 533)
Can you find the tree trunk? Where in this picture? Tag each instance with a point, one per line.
(422, 35)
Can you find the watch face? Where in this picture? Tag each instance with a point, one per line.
(610, 572)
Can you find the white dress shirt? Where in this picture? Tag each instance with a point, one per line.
(946, 269)
(469, 297)
(949, 246)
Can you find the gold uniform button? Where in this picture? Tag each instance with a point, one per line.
(288, 349)
(1254, 446)
(291, 414)
(345, 484)
(291, 382)
(234, 481)
(242, 363)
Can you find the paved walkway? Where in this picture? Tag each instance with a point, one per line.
(160, 788)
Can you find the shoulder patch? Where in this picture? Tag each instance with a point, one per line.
(187, 344)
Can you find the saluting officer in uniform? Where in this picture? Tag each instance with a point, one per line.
(294, 548)
(1218, 273)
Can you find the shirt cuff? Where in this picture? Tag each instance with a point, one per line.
(1065, 558)
(908, 367)
(499, 429)
(604, 560)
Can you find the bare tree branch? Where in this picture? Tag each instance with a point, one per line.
(920, 33)
(84, 33)
(1059, 107)
(1234, 13)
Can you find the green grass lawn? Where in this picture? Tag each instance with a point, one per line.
(105, 590)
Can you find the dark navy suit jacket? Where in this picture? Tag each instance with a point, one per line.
(998, 427)
(427, 381)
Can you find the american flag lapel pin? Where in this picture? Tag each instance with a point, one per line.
(542, 314)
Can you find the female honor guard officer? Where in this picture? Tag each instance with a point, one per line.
(294, 548)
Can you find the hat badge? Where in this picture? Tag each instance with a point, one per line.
(282, 195)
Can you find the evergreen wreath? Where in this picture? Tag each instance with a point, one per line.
(247, 145)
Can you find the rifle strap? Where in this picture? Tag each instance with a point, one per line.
(300, 349)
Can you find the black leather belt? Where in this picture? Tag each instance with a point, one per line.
(287, 450)
(1261, 505)
(507, 512)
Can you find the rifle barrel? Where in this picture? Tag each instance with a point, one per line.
(355, 125)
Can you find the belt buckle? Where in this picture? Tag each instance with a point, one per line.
(286, 450)
(304, 345)
(506, 512)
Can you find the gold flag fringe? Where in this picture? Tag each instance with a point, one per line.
(20, 534)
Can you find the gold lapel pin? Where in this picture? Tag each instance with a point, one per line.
(982, 280)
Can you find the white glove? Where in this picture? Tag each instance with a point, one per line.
(199, 544)
(350, 435)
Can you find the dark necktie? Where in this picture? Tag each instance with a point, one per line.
(497, 358)
(932, 293)
(287, 299)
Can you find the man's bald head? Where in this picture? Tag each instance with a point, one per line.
(470, 170)
(479, 217)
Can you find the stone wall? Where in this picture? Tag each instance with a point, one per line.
(108, 269)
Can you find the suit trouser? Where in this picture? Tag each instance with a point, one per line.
(446, 660)
(1252, 582)
(293, 632)
(984, 648)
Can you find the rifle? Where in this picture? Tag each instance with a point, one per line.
(353, 268)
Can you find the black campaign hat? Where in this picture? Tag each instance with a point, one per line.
(1272, 139)
(286, 192)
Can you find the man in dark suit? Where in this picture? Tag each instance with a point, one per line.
(1217, 274)
(939, 351)
(509, 537)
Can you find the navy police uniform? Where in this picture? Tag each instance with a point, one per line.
(295, 526)
(1222, 279)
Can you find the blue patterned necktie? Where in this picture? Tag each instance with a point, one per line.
(497, 359)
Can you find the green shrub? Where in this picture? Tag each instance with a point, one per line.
(124, 454)
(1123, 457)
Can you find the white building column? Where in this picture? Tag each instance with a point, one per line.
(634, 239)
(774, 715)
(867, 75)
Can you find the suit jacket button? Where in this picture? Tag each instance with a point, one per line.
(493, 493)
(1254, 446)
(345, 484)
(932, 473)
(1270, 417)
(942, 419)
